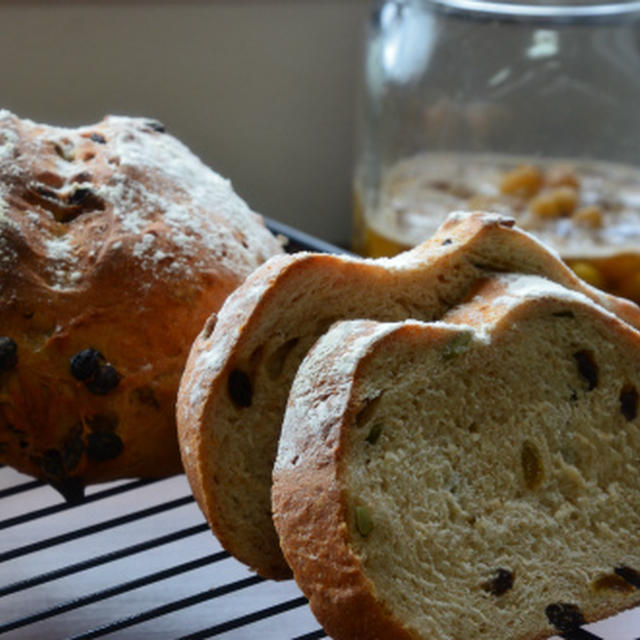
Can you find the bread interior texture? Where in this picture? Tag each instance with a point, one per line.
(266, 328)
(286, 326)
(488, 483)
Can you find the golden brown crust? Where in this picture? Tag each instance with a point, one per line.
(495, 243)
(113, 237)
(330, 573)
(308, 493)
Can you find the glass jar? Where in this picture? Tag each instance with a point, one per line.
(529, 109)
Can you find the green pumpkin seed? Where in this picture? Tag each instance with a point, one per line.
(364, 523)
(374, 433)
(458, 345)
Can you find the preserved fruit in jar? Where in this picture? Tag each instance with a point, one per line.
(588, 211)
(523, 108)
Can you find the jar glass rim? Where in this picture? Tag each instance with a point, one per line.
(534, 11)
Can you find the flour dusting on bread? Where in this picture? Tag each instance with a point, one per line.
(116, 244)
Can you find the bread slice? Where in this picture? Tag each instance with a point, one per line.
(235, 385)
(437, 480)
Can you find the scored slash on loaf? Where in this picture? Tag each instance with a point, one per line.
(470, 478)
(234, 390)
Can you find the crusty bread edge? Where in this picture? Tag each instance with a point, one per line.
(544, 260)
(326, 568)
(212, 357)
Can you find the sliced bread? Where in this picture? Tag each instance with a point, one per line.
(482, 480)
(236, 382)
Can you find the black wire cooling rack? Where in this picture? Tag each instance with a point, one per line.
(136, 560)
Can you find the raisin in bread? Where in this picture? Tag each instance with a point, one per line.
(235, 386)
(116, 243)
(475, 480)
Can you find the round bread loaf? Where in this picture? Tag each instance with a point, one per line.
(116, 243)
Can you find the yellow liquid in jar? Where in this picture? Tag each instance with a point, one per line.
(597, 233)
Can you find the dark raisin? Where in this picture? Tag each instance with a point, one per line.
(71, 489)
(104, 445)
(8, 354)
(85, 363)
(105, 379)
(100, 139)
(447, 241)
(564, 616)
(66, 210)
(239, 387)
(630, 575)
(500, 583)
(90, 366)
(156, 125)
(587, 368)
(629, 402)
(56, 463)
(82, 200)
(79, 196)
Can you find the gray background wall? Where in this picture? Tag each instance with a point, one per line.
(263, 91)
